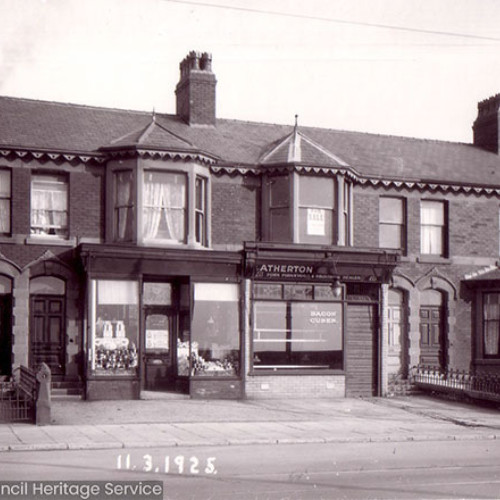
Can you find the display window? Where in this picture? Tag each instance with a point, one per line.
(215, 330)
(303, 330)
(114, 327)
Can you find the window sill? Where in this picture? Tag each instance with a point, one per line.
(433, 259)
(47, 240)
(488, 361)
(288, 372)
(15, 239)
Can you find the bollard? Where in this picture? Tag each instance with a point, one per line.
(43, 377)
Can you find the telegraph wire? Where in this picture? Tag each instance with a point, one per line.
(334, 20)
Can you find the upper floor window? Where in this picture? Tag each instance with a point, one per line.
(392, 228)
(49, 205)
(201, 210)
(307, 209)
(124, 205)
(316, 209)
(279, 208)
(433, 222)
(160, 206)
(5, 202)
(164, 207)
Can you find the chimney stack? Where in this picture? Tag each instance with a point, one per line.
(196, 89)
(487, 125)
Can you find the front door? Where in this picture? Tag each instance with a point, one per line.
(47, 333)
(5, 336)
(160, 353)
(432, 350)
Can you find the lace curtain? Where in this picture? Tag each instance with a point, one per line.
(432, 223)
(164, 207)
(49, 208)
(124, 206)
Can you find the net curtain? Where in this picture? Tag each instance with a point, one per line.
(49, 208)
(164, 207)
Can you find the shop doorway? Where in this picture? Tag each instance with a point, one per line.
(5, 336)
(160, 352)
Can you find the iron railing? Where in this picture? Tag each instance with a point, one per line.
(18, 399)
(482, 385)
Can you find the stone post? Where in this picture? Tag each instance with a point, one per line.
(43, 377)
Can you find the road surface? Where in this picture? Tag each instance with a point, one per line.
(413, 470)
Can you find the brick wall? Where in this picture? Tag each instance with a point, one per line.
(87, 204)
(295, 386)
(235, 210)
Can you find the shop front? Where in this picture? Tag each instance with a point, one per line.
(162, 321)
(315, 321)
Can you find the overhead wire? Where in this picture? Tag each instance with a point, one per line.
(335, 20)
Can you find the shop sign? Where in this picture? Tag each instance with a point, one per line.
(300, 271)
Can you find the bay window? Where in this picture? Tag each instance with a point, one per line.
(297, 327)
(307, 209)
(491, 325)
(49, 205)
(152, 206)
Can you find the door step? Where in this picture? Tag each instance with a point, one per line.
(66, 391)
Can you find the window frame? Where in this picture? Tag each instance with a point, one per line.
(7, 196)
(444, 231)
(402, 224)
(484, 323)
(60, 178)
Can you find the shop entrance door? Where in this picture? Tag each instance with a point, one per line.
(160, 353)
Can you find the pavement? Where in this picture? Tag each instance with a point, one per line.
(167, 421)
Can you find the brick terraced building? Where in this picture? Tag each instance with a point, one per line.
(230, 259)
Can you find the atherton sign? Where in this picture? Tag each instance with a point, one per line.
(320, 271)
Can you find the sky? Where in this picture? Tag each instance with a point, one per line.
(413, 68)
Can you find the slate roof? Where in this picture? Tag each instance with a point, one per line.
(50, 126)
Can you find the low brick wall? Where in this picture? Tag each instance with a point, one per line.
(295, 386)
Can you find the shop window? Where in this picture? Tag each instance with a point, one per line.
(308, 209)
(392, 227)
(215, 330)
(433, 227)
(302, 331)
(5, 202)
(173, 207)
(114, 322)
(491, 325)
(49, 205)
